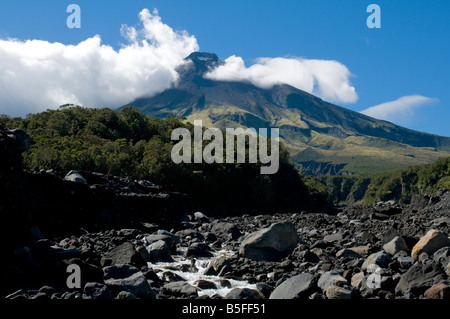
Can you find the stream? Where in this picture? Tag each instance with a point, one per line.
(183, 267)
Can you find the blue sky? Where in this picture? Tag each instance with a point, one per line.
(401, 69)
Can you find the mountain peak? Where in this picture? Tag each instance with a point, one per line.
(203, 61)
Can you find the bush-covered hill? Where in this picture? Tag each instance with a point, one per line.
(127, 143)
(399, 185)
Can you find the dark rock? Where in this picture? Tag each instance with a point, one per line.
(125, 254)
(242, 293)
(272, 243)
(224, 230)
(205, 284)
(299, 286)
(180, 289)
(419, 278)
(89, 272)
(329, 279)
(159, 251)
(381, 258)
(198, 250)
(96, 290)
(128, 278)
(438, 291)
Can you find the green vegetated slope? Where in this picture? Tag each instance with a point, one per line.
(128, 143)
(398, 185)
(322, 138)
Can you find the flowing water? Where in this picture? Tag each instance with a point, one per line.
(183, 268)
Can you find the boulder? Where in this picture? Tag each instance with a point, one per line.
(127, 278)
(430, 243)
(180, 289)
(224, 229)
(270, 244)
(299, 286)
(419, 278)
(75, 176)
(337, 292)
(329, 279)
(381, 259)
(243, 293)
(124, 254)
(438, 291)
(159, 251)
(395, 245)
(198, 250)
(150, 239)
(199, 216)
(96, 290)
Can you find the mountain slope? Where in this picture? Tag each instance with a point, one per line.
(323, 139)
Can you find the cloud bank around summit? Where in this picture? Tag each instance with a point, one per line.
(327, 79)
(36, 75)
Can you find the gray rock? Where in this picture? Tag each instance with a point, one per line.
(175, 238)
(347, 253)
(381, 258)
(159, 252)
(96, 290)
(75, 176)
(270, 244)
(333, 237)
(440, 255)
(406, 262)
(336, 292)
(199, 216)
(299, 286)
(242, 293)
(395, 245)
(223, 229)
(180, 289)
(125, 254)
(198, 250)
(419, 278)
(329, 279)
(128, 278)
(150, 239)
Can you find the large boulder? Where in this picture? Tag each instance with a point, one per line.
(419, 278)
(159, 251)
(299, 286)
(226, 230)
(128, 278)
(430, 243)
(270, 244)
(124, 254)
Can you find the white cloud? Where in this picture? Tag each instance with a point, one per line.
(327, 79)
(36, 75)
(400, 111)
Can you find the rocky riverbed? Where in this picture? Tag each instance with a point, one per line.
(90, 236)
(379, 251)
